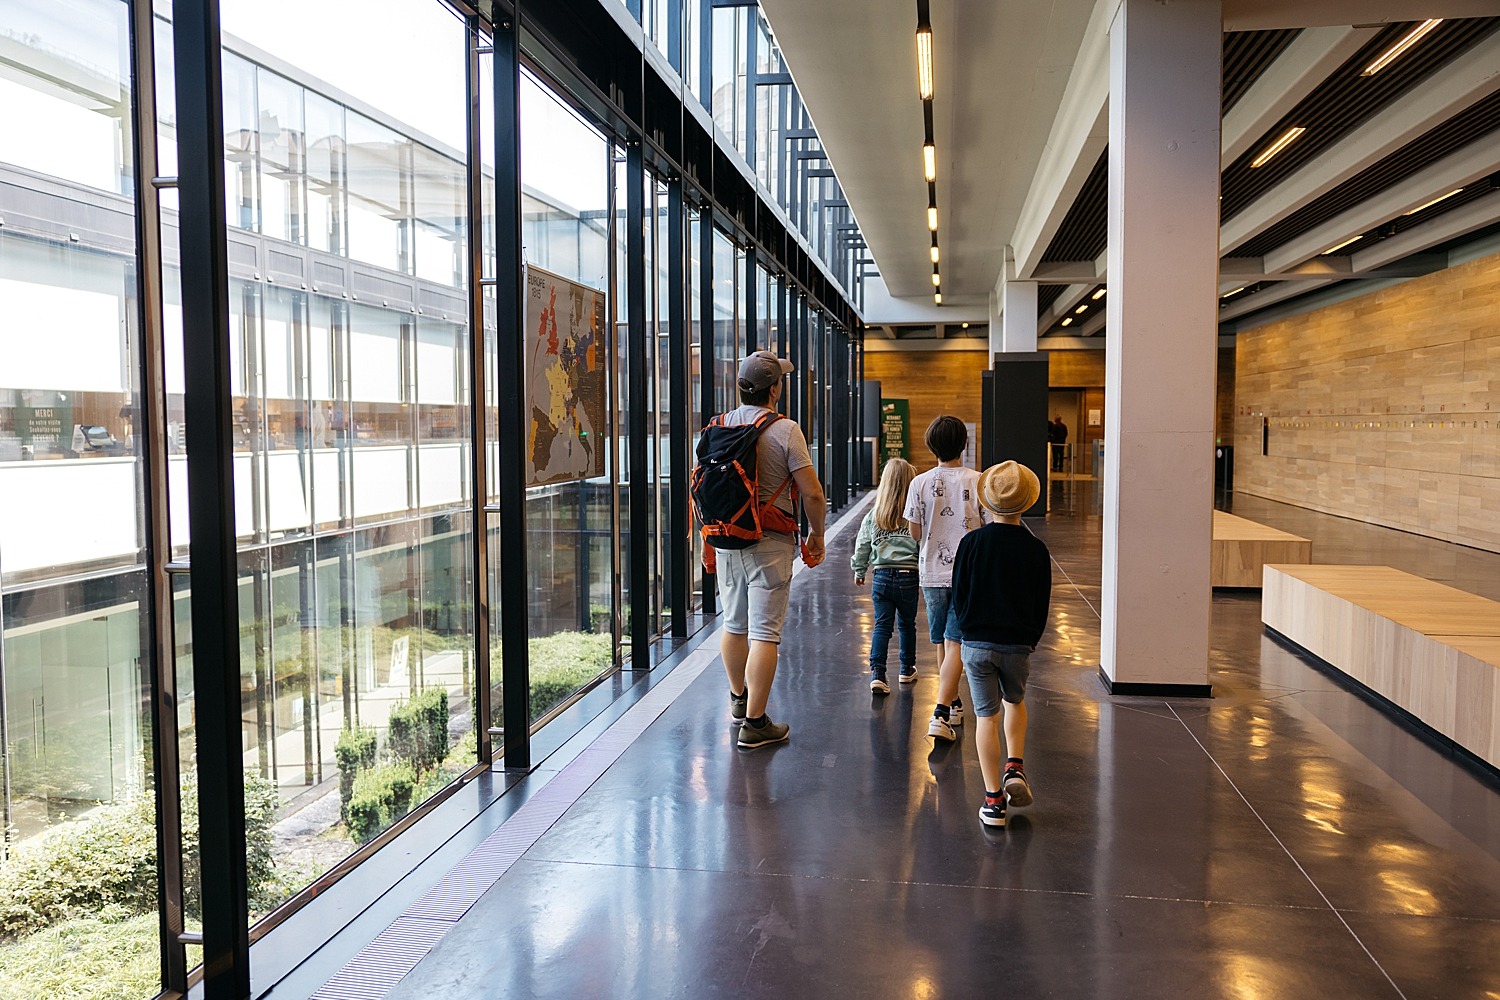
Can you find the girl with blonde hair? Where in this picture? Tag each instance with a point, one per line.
(885, 547)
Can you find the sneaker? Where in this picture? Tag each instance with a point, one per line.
(992, 813)
(908, 675)
(737, 703)
(939, 729)
(1017, 791)
(956, 712)
(878, 684)
(771, 732)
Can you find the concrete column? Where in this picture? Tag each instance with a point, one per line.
(1162, 330)
(1013, 319)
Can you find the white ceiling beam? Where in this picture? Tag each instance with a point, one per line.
(1307, 62)
(1472, 162)
(887, 331)
(1080, 132)
(1457, 85)
(1240, 305)
(1450, 225)
(1093, 324)
(1258, 15)
(942, 330)
(1067, 272)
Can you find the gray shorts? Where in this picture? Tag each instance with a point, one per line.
(754, 585)
(995, 672)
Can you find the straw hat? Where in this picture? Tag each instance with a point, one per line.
(1008, 488)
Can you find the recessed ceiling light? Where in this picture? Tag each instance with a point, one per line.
(1068, 321)
(1097, 295)
(1340, 246)
(1287, 138)
(1406, 41)
(1082, 309)
(1434, 201)
(965, 326)
(1235, 292)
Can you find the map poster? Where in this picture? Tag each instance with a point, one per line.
(566, 350)
(894, 418)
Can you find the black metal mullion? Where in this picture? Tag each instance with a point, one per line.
(150, 422)
(510, 360)
(203, 235)
(752, 300)
(635, 319)
(707, 355)
(478, 423)
(679, 545)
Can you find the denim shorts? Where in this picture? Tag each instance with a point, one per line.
(996, 672)
(942, 621)
(754, 585)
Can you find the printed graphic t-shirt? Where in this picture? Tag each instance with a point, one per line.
(944, 503)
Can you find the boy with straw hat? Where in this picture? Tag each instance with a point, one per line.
(1002, 583)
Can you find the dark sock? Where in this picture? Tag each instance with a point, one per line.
(740, 694)
(958, 703)
(759, 722)
(1013, 762)
(941, 712)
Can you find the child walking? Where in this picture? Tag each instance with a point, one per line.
(942, 506)
(886, 548)
(1002, 584)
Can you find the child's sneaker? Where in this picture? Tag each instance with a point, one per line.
(878, 684)
(908, 674)
(992, 813)
(939, 729)
(1017, 791)
(956, 712)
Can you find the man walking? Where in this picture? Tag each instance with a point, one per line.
(755, 582)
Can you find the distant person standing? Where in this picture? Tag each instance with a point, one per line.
(1002, 585)
(942, 506)
(886, 548)
(1057, 434)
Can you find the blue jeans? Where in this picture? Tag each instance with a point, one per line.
(894, 592)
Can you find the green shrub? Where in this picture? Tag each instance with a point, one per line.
(560, 664)
(104, 865)
(84, 959)
(355, 752)
(381, 796)
(419, 729)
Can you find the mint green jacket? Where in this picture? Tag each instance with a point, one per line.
(876, 548)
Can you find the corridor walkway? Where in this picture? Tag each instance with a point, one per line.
(1282, 839)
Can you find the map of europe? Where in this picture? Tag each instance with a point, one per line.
(565, 347)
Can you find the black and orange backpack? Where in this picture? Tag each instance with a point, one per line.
(725, 486)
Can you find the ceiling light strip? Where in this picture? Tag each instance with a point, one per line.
(1287, 138)
(1434, 201)
(1407, 40)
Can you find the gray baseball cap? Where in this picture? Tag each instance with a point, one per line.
(762, 370)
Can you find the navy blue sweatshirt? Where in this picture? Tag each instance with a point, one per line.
(1002, 583)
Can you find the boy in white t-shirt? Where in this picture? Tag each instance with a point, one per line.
(942, 505)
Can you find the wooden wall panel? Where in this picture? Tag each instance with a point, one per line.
(1075, 369)
(932, 382)
(1384, 408)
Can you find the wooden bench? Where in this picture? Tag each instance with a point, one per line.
(1241, 548)
(1428, 649)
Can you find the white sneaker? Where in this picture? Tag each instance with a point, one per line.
(956, 713)
(939, 729)
(879, 686)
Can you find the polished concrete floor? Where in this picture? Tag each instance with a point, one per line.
(1282, 839)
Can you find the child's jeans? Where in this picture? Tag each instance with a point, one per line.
(894, 592)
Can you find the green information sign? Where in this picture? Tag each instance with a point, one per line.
(894, 420)
(44, 419)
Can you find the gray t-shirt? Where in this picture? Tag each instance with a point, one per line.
(782, 450)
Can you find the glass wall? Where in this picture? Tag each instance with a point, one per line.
(565, 178)
(76, 784)
(351, 385)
